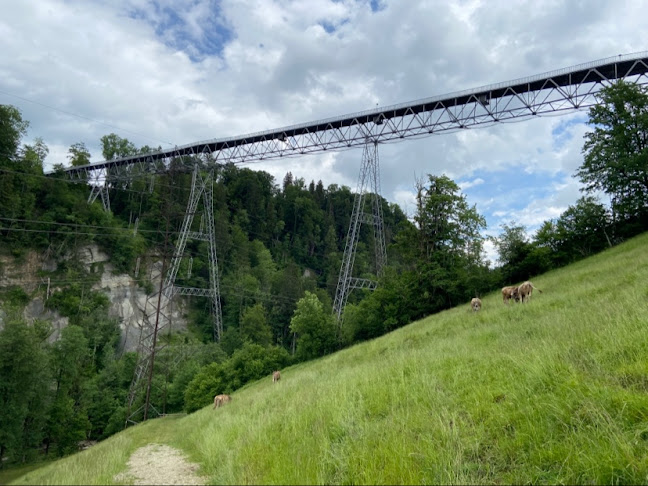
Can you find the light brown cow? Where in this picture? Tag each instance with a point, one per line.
(509, 293)
(476, 304)
(525, 290)
(220, 400)
(276, 376)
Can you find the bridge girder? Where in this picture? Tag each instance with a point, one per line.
(563, 90)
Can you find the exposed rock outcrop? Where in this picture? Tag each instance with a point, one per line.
(128, 301)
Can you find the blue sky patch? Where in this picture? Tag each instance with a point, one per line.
(210, 39)
(327, 26)
(562, 133)
(377, 5)
(504, 193)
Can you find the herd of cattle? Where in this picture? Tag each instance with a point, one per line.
(521, 293)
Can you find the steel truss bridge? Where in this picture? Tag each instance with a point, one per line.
(563, 90)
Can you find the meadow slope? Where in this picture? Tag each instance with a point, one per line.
(555, 391)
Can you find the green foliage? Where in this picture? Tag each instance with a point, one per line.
(68, 419)
(253, 326)
(124, 248)
(616, 151)
(12, 129)
(115, 147)
(520, 258)
(446, 223)
(315, 328)
(178, 387)
(78, 154)
(102, 334)
(23, 380)
(106, 393)
(247, 364)
(14, 296)
(76, 303)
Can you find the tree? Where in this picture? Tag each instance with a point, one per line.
(13, 182)
(253, 326)
(68, 421)
(520, 258)
(23, 389)
(78, 154)
(12, 129)
(445, 221)
(288, 180)
(616, 151)
(583, 228)
(115, 147)
(443, 251)
(511, 242)
(315, 328)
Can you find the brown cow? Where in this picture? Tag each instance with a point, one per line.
(276, 376)
(525, 290)
(509, 293)
(476, 304)
(220, 400)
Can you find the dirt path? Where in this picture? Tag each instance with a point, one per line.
(160, 464)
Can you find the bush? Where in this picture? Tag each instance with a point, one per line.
(247, 364)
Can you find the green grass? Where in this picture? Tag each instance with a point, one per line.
(554, 391)
(8, 474)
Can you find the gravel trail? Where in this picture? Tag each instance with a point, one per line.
(160, 464)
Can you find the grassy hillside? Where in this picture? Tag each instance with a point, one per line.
(555, 391)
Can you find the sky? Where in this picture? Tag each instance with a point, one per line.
(173, 72)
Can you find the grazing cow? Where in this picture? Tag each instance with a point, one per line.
(276, 376)
(525, 290)
(220, 400)
(475, 304)
(509, 293)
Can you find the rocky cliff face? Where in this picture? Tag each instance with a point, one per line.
(128, 302)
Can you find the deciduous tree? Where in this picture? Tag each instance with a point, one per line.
(616, 150)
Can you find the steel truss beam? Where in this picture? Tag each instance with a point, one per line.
(369, 175)
(557, 91)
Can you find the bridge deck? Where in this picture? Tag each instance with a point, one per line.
(564, 89)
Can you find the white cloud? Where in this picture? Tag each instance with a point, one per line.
(475, 182)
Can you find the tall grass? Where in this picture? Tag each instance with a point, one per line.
(554, 391)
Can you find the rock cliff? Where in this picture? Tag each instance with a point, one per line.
(128, 301)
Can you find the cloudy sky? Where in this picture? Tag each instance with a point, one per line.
(172, 72)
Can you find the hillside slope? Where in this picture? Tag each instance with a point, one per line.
(554, 391)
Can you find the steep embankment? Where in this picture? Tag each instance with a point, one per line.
(554, 391)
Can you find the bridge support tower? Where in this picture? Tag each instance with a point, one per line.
(368, 188)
